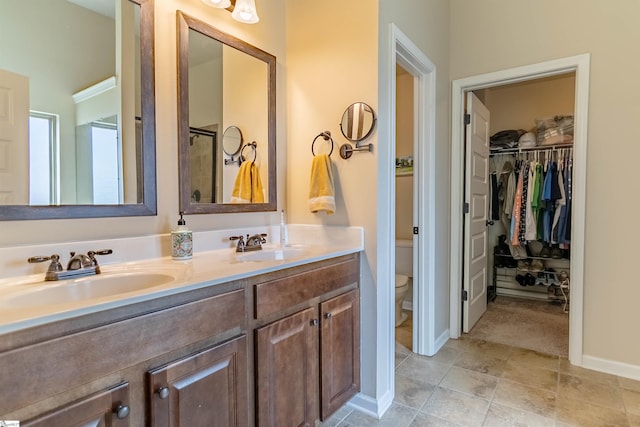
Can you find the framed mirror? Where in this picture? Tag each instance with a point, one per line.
(81, 139)
(357, 122)
(224, 83)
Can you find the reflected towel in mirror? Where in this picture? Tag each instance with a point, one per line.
(321, 189)
(248, 186)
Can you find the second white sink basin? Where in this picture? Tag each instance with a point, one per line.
(84, 288)
(271, 254)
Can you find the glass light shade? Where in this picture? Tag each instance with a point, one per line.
(221, 4)
(245, 11)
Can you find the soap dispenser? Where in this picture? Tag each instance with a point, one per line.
(181, 241)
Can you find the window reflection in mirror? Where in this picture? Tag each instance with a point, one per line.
(74, 67)
(224, 83)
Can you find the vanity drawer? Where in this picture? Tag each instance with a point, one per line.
(273, 296)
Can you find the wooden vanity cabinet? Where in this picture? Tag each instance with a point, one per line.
(198, 339)
(105, 408)
(278, 349)
(208, 388)
(339, 351)
(287, 371)
(308, 360)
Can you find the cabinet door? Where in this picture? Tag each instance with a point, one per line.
(208, 388)
(287, 371)
(107, 408)
(340, 351)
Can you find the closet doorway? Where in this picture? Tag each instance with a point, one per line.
(473, 274)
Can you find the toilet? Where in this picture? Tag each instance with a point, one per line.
(404, 271)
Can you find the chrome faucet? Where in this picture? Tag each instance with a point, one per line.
(79, 265)
(252, 243)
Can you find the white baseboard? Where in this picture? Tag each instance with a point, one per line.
(442, 340)
(611, 367)
(370, 406)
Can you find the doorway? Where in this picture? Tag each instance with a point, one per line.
(422, 73)
(580, 66)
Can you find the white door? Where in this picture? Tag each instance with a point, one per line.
(14, 138)
(475, 220)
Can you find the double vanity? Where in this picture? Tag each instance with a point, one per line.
(267, 338)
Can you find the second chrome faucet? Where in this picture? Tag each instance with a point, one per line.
(252, 243)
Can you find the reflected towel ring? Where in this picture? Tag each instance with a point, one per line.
(253, 145)
(326, 135)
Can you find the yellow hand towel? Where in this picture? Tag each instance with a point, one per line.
(321, 190)
(248, 187)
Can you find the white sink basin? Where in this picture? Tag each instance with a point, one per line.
(271, 254)
(81, 289)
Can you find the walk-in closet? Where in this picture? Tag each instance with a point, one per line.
(528, 271)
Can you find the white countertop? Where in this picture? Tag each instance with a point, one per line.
(208, 267)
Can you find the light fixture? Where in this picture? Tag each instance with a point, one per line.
(245, 11)
(221, 4)
(241, 10)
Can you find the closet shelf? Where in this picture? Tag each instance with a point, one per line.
(535, 257)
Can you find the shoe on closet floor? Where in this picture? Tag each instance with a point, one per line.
(556, 252)
(530, 279)
(545, 252)
(542, 279)
(536, 266)
(520, 279)
(523, 265)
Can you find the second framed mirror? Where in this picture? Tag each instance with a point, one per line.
(226, 95)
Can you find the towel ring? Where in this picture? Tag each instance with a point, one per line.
(326, 135)
(255, 154)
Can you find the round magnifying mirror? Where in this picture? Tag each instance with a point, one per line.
(231, 141)
(357, 121)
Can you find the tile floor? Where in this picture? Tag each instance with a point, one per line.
(471, 382)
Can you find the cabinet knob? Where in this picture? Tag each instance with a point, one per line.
(122, 412)
(163, 392)
(327, 315)
(314, 322)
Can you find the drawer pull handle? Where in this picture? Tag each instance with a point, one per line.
(314, 322)
(122, 412)
(328, 315)
(163, 392)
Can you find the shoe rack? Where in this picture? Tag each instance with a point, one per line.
(541, 278)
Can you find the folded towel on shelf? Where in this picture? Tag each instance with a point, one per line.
(321, 189)
(248, 187)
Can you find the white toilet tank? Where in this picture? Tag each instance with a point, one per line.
(404, 257)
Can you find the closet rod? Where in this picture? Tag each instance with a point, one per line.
(512, 151)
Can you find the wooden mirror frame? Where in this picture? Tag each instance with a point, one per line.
(184, 24)
(148, 207)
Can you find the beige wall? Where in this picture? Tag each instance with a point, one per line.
(261, 35)
(332, 63)
(518, 105)
(498, 34)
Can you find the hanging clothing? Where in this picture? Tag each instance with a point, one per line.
(560, 209)
(523, 204)
(495, 203)
(515, 218)
(507, 190)
(531, 229)
(564, 227)
(537, 204)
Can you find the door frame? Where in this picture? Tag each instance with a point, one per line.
(412, 59)
(580, 65)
